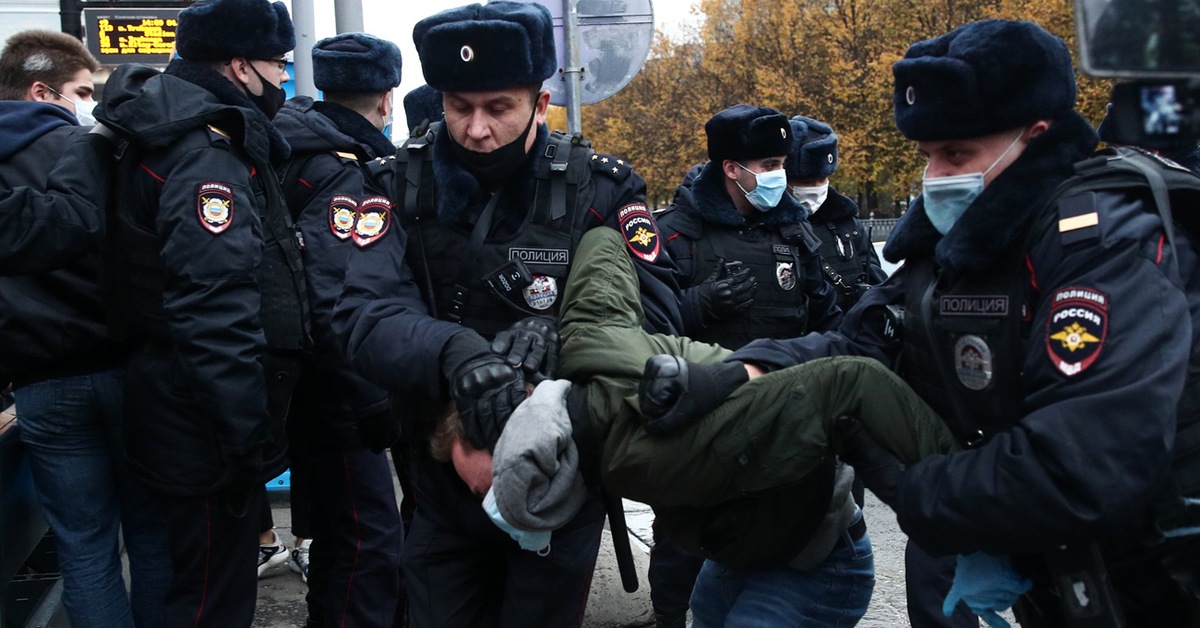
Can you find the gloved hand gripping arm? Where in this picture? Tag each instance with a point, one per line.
(721, 295)
(531, 344)
(675, 393)
(485, 388)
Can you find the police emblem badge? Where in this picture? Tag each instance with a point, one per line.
(542, 293)
(343, 212)
(785, 274)
(973, 362)
(1077, 328)
(214, 203)
(374, 217)
(641, 234)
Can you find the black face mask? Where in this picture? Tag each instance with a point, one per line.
(272, 98)
(494, 167)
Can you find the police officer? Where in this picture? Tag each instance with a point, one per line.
(848, 258)
(493, 219)
(340, 422)
(205, 269)
(56, 344)
(1038, 318)
(751, 270)
(422, 107)
(746, 253)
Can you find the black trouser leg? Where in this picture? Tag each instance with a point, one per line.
(672, 575)
(214, 556)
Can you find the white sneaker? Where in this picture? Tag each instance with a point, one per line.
(270, 555)
(299, 563)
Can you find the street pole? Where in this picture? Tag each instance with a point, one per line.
(573, 69)
(69, 12)
(305, 22)
(348, 16)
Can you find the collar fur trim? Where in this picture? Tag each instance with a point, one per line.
(1001, 214)
(458, 189)
(716, 208)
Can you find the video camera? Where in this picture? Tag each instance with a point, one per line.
(1155, 44)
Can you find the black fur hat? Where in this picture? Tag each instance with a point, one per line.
(745, 132)
(814, 151)
(982, 78)
(355, 62)
(421, 104)
(219, 30)
(480, 48)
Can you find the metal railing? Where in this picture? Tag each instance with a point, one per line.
(880, 228)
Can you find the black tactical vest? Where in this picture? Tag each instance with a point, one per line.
(487, 282)
(843, 264)
(774, 256)
(963, 353)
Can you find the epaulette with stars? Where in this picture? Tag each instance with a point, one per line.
(616, 168)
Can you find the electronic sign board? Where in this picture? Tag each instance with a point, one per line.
(117, 36)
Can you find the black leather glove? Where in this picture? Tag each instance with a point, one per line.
(726, 292)
(879, 470)
(379, 430)
(487, 390)
(531, 345)
(675, 393)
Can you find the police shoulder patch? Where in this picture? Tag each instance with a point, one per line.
(1077, 328)
(374, 218)
(343, 214)
(214, 205)
(640, 231)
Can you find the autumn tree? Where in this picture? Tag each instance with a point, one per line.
(826, 59)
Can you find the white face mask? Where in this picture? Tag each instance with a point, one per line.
(83, 108)
(83, 112)
(810, 197)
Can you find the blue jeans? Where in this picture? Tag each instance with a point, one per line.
(833, 594)
(71, 429)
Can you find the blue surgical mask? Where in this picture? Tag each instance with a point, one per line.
(538, 542)
(946, 198)
(768, 189)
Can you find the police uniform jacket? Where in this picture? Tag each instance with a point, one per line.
(1070, 420)
(848, 257)
(779, 248)
(326, 184)
(51, 323)
(382, 315)
(191, 187)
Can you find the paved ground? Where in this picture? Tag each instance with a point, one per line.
(281, 593)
